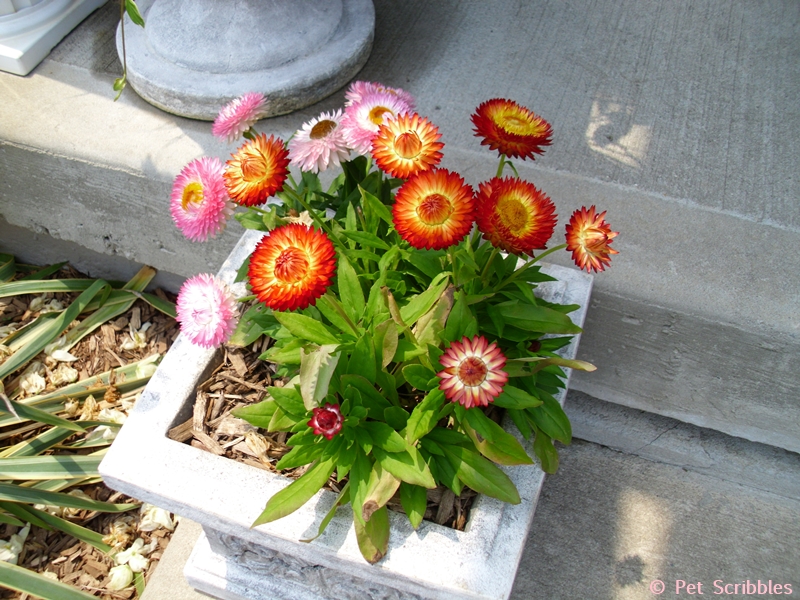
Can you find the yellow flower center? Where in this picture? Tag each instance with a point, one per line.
(192, 194)
(514, 124)
(513, 214)
(435, 209)
(472, 371)
(408, 145)
(593, 240)
(322, 129)
(291, 265)
(254, 167)
(376, 114)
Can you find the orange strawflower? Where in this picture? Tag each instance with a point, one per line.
(511, 129)
(588, 238)
(515, 215)
(406, 145)
(257, 170)
(291, 267)
(434, 209)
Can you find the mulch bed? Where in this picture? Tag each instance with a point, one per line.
(242, 378)
(75, 562)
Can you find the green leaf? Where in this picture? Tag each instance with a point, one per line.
(301, 455)
(424, 416)
(538, 319)
(35, 468)
(515, 398)
(350, 290)
(419, 304)
(493, 441)
(551, 418)
(373, 536)
(408, 466)
(447, 474)
(415, 501)
(259, 414)
(297, 493)
(133, 12)
(546, 452)
(9, 520)
(316, 369)
(481, 475)
(333, 310)
(282, 421)
(342, 498)
(373, 206)
(370, 397)
(396, 417)
(366, 239)
(22, 580)
(386, 340)
(362, 360)
(461, 322)
(288, 398)
(384, 436)
(16, 493)
(306, 328)
(73, 529)
(381, 487)
(521, 421)
(420, 377)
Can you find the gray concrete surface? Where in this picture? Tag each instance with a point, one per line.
(680, 118)
(656, 499)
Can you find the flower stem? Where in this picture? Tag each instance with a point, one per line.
(495, 252)
(501, 165)
(546, 252)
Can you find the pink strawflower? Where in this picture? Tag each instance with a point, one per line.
(238, 116)
(361, 121)
(327, 420)
(199, 203)
(207, 311)
(319, 144)
(358, 90)
(473, 372)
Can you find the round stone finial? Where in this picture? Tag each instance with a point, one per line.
(194, 56)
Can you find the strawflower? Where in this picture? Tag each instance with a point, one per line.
(238, 116)
(473, 372)
(291, 267)
(199, 203)
(511, 129)
(257, 170)
(514, 215)
(361, 121)
(589, 238)
(327, 420)
(207, 310)
(358, 90)
(407, 145)
(434, 209)
(319, 144)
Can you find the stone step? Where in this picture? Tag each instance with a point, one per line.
(638, 499)
(674, 135)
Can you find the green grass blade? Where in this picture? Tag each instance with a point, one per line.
(40, 468)
(26, 412)
(165, 306)
(16, 288)
(40, 443)
(8, 267)
(9, 520)
(76, 531)
(43, 272)
(24, 514)
(23, 580)
(60, 323)
(15, 493)
(39, 326)
(59, 485)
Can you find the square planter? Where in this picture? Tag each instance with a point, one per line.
(233, 561)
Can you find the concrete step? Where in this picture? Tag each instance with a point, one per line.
(668, 116)
(638, 499)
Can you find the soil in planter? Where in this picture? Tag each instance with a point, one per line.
(242, 378)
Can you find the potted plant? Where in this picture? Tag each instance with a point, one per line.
(401, 306)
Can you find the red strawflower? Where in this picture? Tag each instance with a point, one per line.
(257, 170)
(473, 374)
(588, 238)
(327, 420)
(511, 129)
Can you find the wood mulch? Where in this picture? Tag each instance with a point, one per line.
(75, 562)
(241, 379)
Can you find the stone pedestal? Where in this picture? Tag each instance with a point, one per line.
(194, 56)
(29, 29)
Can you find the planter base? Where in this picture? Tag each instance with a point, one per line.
(237, 570)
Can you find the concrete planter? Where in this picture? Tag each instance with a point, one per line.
(233, 561)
